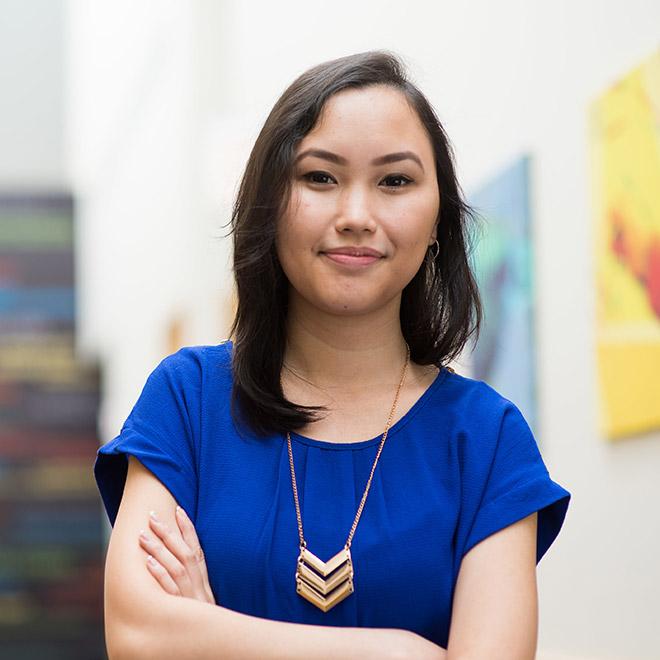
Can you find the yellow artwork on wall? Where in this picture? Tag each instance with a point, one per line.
(625, 159)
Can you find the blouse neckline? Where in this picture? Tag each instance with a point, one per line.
(395, 428)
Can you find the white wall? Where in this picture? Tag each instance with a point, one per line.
(147, 256)
(32, 95)
(176, 91)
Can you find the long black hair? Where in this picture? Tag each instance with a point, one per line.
(440, 307)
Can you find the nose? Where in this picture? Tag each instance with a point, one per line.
(355, 212)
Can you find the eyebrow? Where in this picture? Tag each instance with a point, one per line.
(381, 160)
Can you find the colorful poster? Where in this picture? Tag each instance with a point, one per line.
(625, 160)
(51, 519)
(504, 354)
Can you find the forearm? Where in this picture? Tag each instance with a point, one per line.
(183, 628)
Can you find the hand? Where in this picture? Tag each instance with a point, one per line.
(176, 558)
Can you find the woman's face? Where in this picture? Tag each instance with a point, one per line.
(364, 177)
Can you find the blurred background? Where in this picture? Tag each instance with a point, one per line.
(124, 127)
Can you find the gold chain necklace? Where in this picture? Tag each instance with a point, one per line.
(325, 584)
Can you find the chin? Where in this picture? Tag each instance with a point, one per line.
(347, 306)
(331, 297)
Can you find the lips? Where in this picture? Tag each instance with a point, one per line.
(351, 260)
(355, 251)
(353, 256)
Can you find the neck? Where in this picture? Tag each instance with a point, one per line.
(345, 352)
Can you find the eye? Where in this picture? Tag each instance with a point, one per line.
(321, 178)
(397, 181)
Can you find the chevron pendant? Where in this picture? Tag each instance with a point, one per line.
(324, 584)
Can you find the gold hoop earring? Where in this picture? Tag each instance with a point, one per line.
(430, 259)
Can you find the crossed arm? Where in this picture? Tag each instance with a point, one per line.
(167, 609)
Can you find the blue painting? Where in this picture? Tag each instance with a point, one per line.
(504, 355)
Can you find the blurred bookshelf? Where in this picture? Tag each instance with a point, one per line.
(51, 530)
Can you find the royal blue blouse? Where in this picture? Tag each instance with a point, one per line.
(460, 465)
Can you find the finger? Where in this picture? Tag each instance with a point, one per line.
(162, 576)
(187, 528)
(172, 539)
(190, 537)
(155, 546)
(187, 565)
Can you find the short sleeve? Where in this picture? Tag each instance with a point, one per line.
(160, 432)
(518, 484)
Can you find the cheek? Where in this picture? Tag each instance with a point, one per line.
(411, 222)
(301, 229)
(288, 228)
(295, 244)
(427, 207)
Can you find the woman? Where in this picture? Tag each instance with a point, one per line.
(347, 493)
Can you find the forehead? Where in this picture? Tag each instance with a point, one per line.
(374, 118)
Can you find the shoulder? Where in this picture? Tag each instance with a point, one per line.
(192, 362)
(474, 400)
(482, 422)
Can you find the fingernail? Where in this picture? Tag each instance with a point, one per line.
(181, 511)
(143, 535)
(153, 516)
(151, 560)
